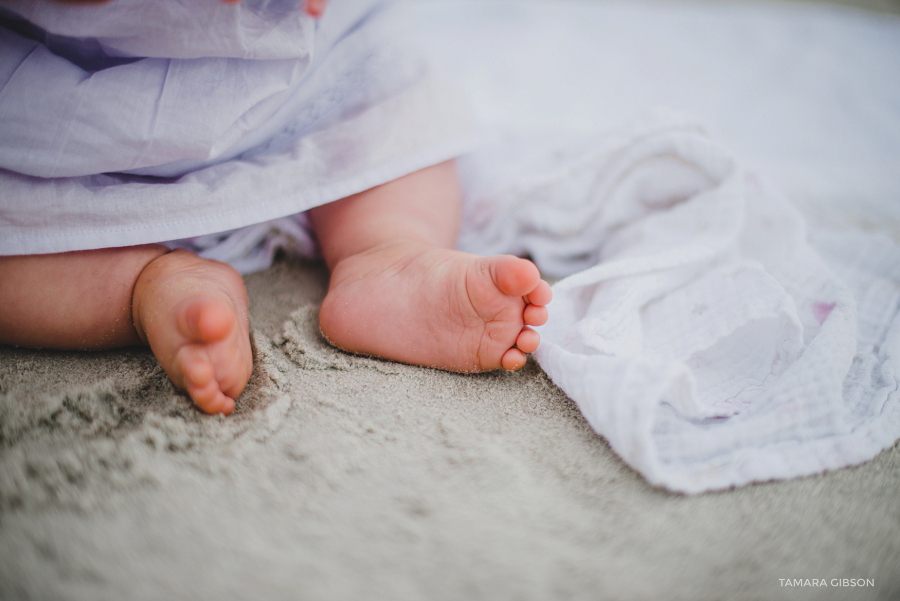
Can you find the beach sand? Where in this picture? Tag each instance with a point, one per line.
(344, 477)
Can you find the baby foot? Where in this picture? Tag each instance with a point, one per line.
(193, 314)
(411, 302)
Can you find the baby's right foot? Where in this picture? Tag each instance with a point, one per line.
(416, 303)
(193, 313)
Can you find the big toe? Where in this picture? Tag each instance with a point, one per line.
(514, 276)
(206, 320)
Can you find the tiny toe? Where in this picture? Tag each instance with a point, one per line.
(221, 404)
(514, 276)
(218, 402)
(205, 320)
(202, 393)
(535, 315)
(513, 359)
(208, 397)
(541, 295)
(198, 371)
(528, 340)
(235, 381)
(201, 384)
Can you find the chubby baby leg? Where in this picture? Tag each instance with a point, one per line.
(191, 311)
(400, 292)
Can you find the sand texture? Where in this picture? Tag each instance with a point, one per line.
(344, 477)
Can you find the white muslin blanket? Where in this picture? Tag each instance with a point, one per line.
(705, 339)
(710, 333)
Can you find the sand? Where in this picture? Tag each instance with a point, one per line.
(343, 477)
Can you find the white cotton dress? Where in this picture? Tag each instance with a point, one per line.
(136, 122)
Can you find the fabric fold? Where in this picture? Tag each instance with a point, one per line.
(709, 344)
(163, 149)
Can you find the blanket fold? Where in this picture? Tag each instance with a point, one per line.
(709, 344)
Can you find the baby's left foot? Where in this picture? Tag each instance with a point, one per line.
(193, 314)
(412, 302)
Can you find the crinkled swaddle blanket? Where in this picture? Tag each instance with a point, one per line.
(704, 338)
(695, 327)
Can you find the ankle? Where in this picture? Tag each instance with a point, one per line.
(390, 254)
(142, 284)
